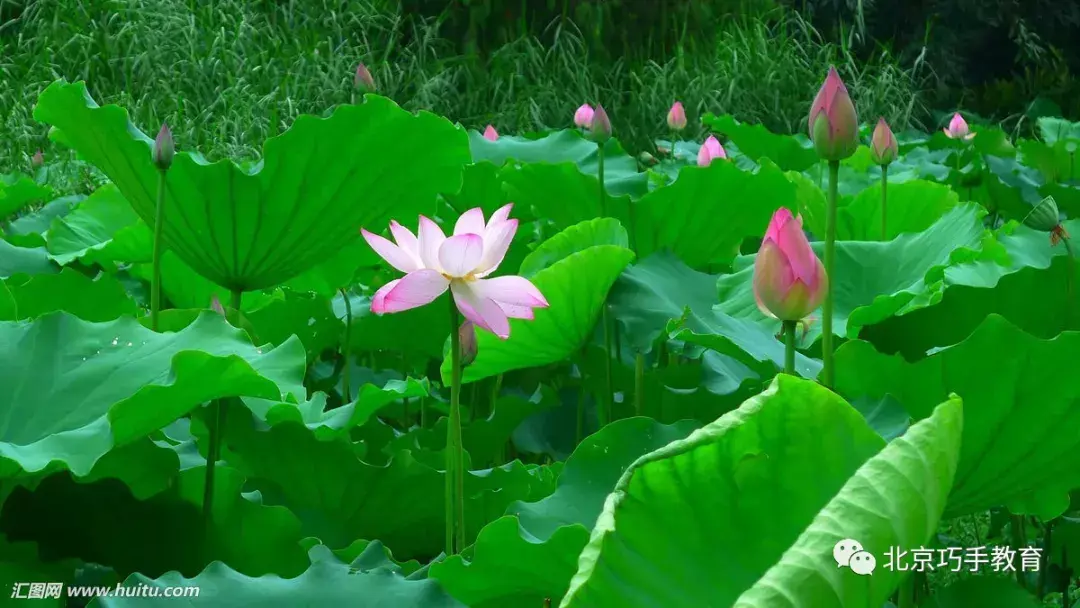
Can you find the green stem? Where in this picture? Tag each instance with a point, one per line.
(639, 384)
(600, 174)
(455, 476)
(159, 226)
(345, 347)
(907, 592)
(235, 296)
(1018, 541)
(609, 385)
(216, 424)
(580, 433)
(1070, 275)
(830, 256)
(790, 328)
(884, 198)
(1040, 582)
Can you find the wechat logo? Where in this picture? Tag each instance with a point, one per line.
(849, 553)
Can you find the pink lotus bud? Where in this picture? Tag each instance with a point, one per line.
(215, 305)
(709, 150)
(676, 117)
(37, 159)
(164, 150)
(363, 80)
(789, 280)
(958, 128)
(490, 133)
(583, 116)
(467, 336)
(834, 126)
(883, 146)
(600, 127)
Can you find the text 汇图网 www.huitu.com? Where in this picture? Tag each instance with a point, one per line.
(38, 591)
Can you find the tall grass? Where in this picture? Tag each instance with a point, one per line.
(228, 74)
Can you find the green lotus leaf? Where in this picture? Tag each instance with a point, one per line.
(29, 229)
(102, 229)
(755, 141)
(306, 199)
(18, 191)
(1020, 423)
(562, 194)
(575, 288)
(579, 237)
(1053, 129)
(70, 390)
(912, 206)
(99, 299)
(23, 260)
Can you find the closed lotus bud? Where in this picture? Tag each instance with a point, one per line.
(883, 146)
(834, 125)
(467, 336)
(1044, 217)
(215, 305)
(709, 150)
(583, 116)
(647, 159)
(37, 159)
(789, 280)
(363, 81)
(676, 117)
(164, 150)
(958, 128)
(600, 127)
(491, 134)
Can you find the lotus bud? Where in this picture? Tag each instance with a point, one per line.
(491, 134)
(958, 128)
(709, 150)
(834, 125)
(647, 159)
(600, 127)
(37, 159)
(676, 117)
(164, 150)
(583, 116)
(363, 81)
(883, 146)
(789, 280)
(215, 305)
(467, 337)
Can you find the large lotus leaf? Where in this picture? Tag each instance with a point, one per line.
(103, 229)
(1030, 287)
(372, 332)
(1013, 188)
(305, 200)
(1021, 426)
(1056, 162)
(562, 194)
(481, 187)
(755, 141)
(894, 500)
(70, 390)
(307, 316)
(732, 497)
(705, 215)
(872, 280)
(327, 582)
(340, 498)
(29, 230)
(621, 175)
(531, 553)
(18, 191)
(660, 288)
(575, 288)
(23, 260)
(99, 299)
(579, 237)
(912, 206)
(1053, 129)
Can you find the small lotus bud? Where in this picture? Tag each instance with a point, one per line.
(883, 146)
(37, 159)
(467, 336)
(834, 125)
(491, 134)
(676, 117)
(164, 150)
(600, 127)
(363, 80)
(215, 305)
(958, 128)
(583, 116)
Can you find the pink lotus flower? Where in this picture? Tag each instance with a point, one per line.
(834, 126)
(676, 117)
(883, 146)
(789, 280)
(490, 133)
(363, 80)
(434, 263)
(583, 116)
(958, 128)
(709, 150)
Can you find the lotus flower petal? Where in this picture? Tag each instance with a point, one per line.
(484, 312)
(393, 254)
(431, 239)
(460, 254)
(411, 291)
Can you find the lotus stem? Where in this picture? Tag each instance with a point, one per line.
(609, 384)
(235, 297)
(1018, 540)
(159, 226)
(1070, 275)
(884, 199)
(789, 346)
(345, 346)
(830, 257)
(215, 424)
(1040, 582)
(580, 432)
(639, 384)
(455, 476)
(600, 174)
